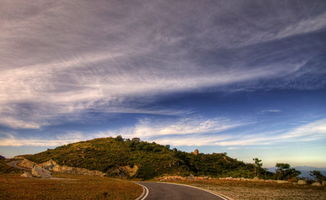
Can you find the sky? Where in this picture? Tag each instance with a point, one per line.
(243, 77)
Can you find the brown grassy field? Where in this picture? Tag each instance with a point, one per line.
(250, 190)
(70, 187)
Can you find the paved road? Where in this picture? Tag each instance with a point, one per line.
(164, 191)
(14, 164)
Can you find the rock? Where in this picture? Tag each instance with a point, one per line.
(190, 177)
(49, 165)
(316, 184)
(40, 172)
(281, 181)
(26, 164)
(19, 157)
(2, 157)
(55, 167)
(302, 182)
(130, 171)
(26, 175)
(323, 183)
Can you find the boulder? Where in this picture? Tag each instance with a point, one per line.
(281, 181)
(323, 183)
(302, 182)
(40, 172)
(49, 165)
(26, 175)
(316, 184)
(191, 177)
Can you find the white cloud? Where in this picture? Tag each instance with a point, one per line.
(304, 26)
(55, 59)
(18, 124)
(146, 128)
(12, 141)
(272, 111)
(308, 132)
(190, 135)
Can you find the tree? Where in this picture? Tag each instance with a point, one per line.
(285, 172)
(135, 140)
(258, 166)
(318, 175)
(119, 138)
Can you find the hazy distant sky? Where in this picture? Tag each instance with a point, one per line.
(238, 76)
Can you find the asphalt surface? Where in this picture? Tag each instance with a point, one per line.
(164, 191)
(14, 164)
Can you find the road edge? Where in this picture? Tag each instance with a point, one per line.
(209, 191)
(145, 192)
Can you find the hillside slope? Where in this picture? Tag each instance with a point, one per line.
(135, 158)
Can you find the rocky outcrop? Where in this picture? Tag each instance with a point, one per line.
(53, 166)
(26, 164)
(316, 184)
(26, 175)
(40, 172)
(131, 171)
(281, 181)
(43, 170)
(302, 182)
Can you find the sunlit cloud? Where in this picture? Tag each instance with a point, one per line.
(146, 128)
(18, 124)
(191, 134)
(79, 68)
(227, 74)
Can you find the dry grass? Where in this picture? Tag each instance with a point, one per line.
(250, 190)
(70, 187)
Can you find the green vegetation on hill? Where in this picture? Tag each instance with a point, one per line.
(115, 156)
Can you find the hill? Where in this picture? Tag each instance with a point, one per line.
(305, 171)
(139, 159)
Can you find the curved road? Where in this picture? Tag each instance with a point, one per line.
(14, 164)
(166, 191)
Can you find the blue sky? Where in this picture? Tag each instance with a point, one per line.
(243, 77)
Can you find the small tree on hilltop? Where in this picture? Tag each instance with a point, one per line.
(285, 172)
(318, 175)
(119, 138)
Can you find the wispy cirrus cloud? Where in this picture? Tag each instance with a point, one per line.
(146, 128)
(216, 132)
(271, 111)
(18, 124)
(57, 64)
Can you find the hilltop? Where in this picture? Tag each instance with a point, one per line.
(132, 158)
